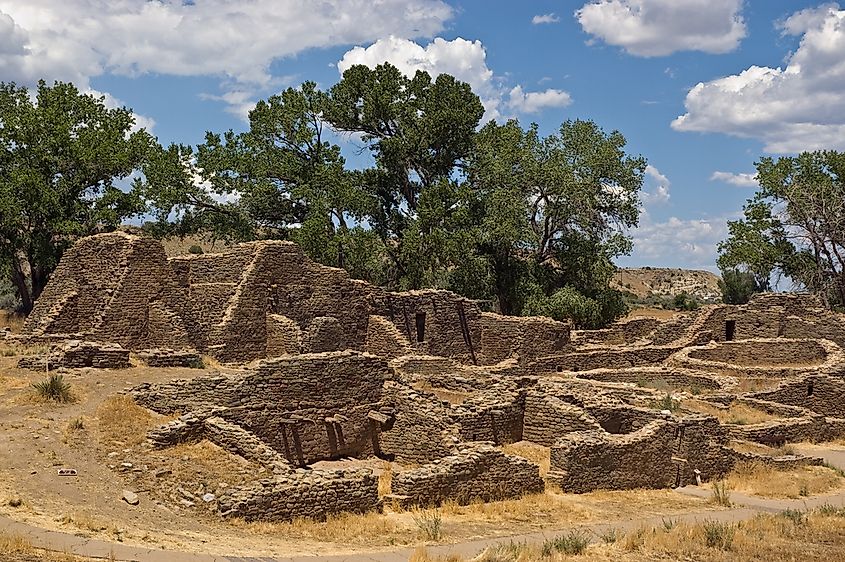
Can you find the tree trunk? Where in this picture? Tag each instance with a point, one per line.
(19, 281)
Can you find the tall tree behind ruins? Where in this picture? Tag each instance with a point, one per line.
(61, 153)
(794, 225)
(529, 223)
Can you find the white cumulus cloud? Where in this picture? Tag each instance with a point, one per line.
(799, 107)
(682, 242)
(545, 18)
(741, 179)
(534, 102)
(236, 41)
(463, 59)
(658, 184)
(651, 28)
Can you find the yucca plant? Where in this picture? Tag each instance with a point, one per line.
(54, 388)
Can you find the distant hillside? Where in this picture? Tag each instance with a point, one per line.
(654, 281)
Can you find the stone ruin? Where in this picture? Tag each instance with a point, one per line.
(332, 368)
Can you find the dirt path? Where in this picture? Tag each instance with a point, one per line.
(746, 507)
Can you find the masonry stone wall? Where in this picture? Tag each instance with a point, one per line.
(548, 418)
(613, 358)
(437, 323)
(655, 376)
(261, 299)
(818, 393)
(307, 407)
(772, 357)
(75, 354)
(662, 454)
(422, 431)
(314, 496)
(525, 337)
(170, 358)
(495, 416)
(477, 472)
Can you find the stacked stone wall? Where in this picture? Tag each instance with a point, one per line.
(479, 472)
(313, 496)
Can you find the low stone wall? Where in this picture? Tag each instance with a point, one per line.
(170, 358)
(818, 393)
(772, 357)
(313, 495)
(494, 416)
(653, 377)
(548, 418)
(76, 354)
(609, 358)
(663, 454)
(778, 432)
(479, 472)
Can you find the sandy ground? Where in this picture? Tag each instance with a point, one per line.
(37, 439)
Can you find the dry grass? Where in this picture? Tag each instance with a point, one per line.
(537, 454)
(12, 320)
(87, 522)
(11, 383)
(760, 480)
(739, 414)
(205, 462)
(817, 536)
(760, 449)
(369, 529)
(124, 423)
(15, 548)
(464, 522)
(385, 479)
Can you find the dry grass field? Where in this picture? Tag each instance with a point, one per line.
(786, 537)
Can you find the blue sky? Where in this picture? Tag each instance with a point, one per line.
(749, 78)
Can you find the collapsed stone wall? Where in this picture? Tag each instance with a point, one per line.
(822, 394)
(75, 354)
(477, 472)
(662, 454)
(307, 407)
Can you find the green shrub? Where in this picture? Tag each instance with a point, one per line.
(54, 388)
(721, 493)
(195, 249)
(573, 542)
(666, 403)
(794, 515)
(719, 535)
(430, 523)
(610, 536)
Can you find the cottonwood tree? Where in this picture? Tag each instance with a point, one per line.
(419, 131)
(282, 179)
(61, 154)
(555, 211)
(794, 225)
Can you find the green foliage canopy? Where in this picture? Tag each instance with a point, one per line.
(61, 153)
(794, 225)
